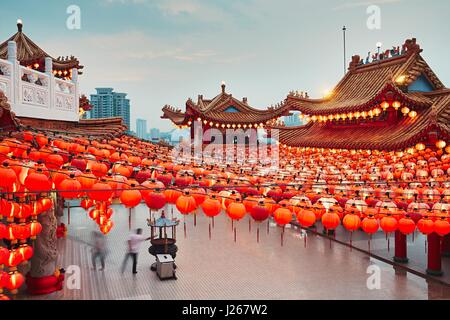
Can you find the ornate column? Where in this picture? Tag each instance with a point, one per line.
(43, 277)
(43, 262)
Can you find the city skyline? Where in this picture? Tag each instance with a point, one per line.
(159, 53)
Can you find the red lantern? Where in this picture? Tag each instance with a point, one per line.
(351, 222)
(100, 191)
(99, 169)
(4, 255)
(186, 203)
(35, 229)
(211, 207)
(131, 198)
(236, 210)
(260, 212)
(14, 258)
(15, 282)
(26, 252)
(199, 195)
(86, 204)
(54, 161)
(3, 231)
(7, 176)
(406, 226)
(172, 195)
(282, 216)
(70, 188)
(306, 218)
(37, 182)
(388, 224)
(370, 225)
(155, 200)
(330, 220)
(425, 226)
(442, 227)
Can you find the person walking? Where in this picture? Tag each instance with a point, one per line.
(134, 244)
(99, 249)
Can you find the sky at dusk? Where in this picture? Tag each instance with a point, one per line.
(165, 51)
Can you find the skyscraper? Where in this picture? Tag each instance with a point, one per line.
(141, 128)
(107, 103)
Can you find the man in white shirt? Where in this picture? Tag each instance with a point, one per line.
(134, 245)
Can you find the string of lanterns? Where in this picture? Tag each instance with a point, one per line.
(375, 112)
(35, 167)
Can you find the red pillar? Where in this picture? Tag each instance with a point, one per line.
(400, 247)
(434, 254)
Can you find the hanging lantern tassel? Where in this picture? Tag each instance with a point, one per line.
(425, 245)
(268, 226)
(209, 229)
(388, 244)
(184, 226)
(249, 225)
(213, 222)
(195, 218)
(172, 213)
(304, 237)
(232, 225)
(68, 213)
(257, 234)
(413, 236)
(370, 237)
(282, 236)
(234, 234)
(351, 243)
(129, 219)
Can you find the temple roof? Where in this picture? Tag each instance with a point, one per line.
(403, 134)
(106, 127)
(365, 84)
(29, 52)
(223, 108)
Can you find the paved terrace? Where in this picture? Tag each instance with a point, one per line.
(222, 269)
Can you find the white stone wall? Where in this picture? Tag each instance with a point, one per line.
(43, 96)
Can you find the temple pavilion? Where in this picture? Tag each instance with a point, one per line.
(390, 101)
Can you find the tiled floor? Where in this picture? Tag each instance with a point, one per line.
(222, 269)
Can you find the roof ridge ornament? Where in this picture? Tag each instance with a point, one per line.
(19, 25)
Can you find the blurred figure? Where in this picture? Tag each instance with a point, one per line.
(134, 245)
(99, 249)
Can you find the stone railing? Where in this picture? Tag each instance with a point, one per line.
(38, 95)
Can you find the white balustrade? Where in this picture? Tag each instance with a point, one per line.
(38, 95)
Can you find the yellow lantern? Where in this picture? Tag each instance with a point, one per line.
(377, 111)
(314, 118)
(364, 114)
(330, 117)
(413, 114)
(338, 116)
(396, 105)
(447, 149)
(357, 114)
(405, 110)
(343, 116)
(441, 144)
(385, 105)
(420, 147)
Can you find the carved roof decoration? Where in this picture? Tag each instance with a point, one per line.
(29, 52)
